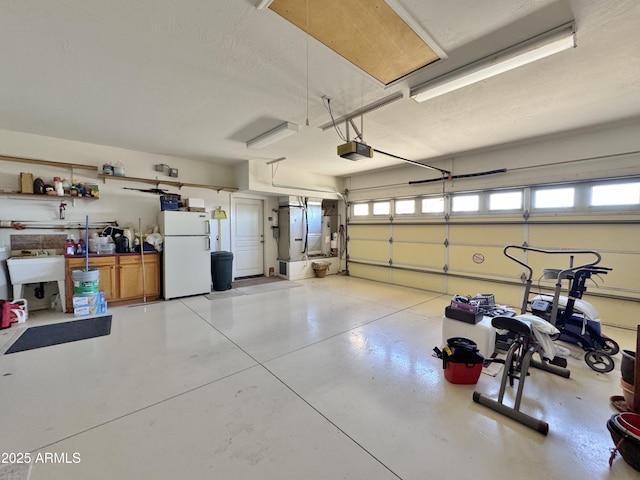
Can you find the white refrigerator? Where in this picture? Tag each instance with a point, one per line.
(186, 253)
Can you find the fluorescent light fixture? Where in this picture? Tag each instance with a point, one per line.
(536, 48)
(264, 4)
(281, 131)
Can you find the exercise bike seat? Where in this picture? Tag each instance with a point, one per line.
(513, 324)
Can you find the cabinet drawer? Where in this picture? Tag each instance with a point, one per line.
(151, 257)
(93, 262)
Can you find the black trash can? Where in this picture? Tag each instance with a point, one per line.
(221, 263)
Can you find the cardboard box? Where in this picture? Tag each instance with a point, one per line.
(194, 203)
(195, 209)
(88, 299)
(26, 182)
(85, 300)
(97, 309)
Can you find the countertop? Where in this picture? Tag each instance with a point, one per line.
(97, 255)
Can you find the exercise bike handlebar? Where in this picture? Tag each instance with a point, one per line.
(554, 252)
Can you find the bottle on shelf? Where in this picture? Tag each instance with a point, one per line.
(118, 169)
(70, 246)
(66, 186)
(57, 184)
(81, 247)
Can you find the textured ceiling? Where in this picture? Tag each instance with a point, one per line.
(198, 78)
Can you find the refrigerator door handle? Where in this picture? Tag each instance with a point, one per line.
(209, 243)
(207, 227)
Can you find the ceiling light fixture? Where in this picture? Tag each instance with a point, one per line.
(536, 48)
(281, 131)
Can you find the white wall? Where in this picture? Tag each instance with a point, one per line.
(115, 203)
(586, 154)
(278, 179)
(128, 207)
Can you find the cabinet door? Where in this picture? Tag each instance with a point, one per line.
(130, 280)
(107, 282)
(130, 276)
(152, 278)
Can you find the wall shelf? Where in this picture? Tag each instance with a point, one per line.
(35, 161)
(170, 183)
(37, 196)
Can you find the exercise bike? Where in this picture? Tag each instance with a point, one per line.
(575, 319)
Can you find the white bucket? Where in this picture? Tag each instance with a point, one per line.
(85, 281)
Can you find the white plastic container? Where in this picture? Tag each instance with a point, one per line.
(118, 169)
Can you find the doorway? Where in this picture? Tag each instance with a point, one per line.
(249, 237)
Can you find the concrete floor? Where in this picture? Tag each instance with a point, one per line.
(322, 378)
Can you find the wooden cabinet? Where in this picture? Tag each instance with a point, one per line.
(138, 278)
(123, 278)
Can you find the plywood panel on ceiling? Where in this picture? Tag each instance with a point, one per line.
(367, 33)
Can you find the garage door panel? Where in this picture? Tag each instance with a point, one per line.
(369, 250)
(423, 281)
(485, 234)
(370, 232)
(419, 233)
(418, 255)
(493, 261)
(370, 272)
(625, 271)
(588, 237)
(615, 312)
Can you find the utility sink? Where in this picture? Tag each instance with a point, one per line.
(43, 268)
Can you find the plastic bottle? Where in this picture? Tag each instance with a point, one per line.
(118, 169)
(81, 247)
(70, 246)
(57, 184)
(66, 186)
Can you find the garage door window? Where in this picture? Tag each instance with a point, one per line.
(616, 194)
(405, 207)
(505, 201)
(465, 203)
(382, 208)
(554, 198)
(360, 209)
(433, 205)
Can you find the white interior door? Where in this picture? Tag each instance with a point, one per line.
(249, 237)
